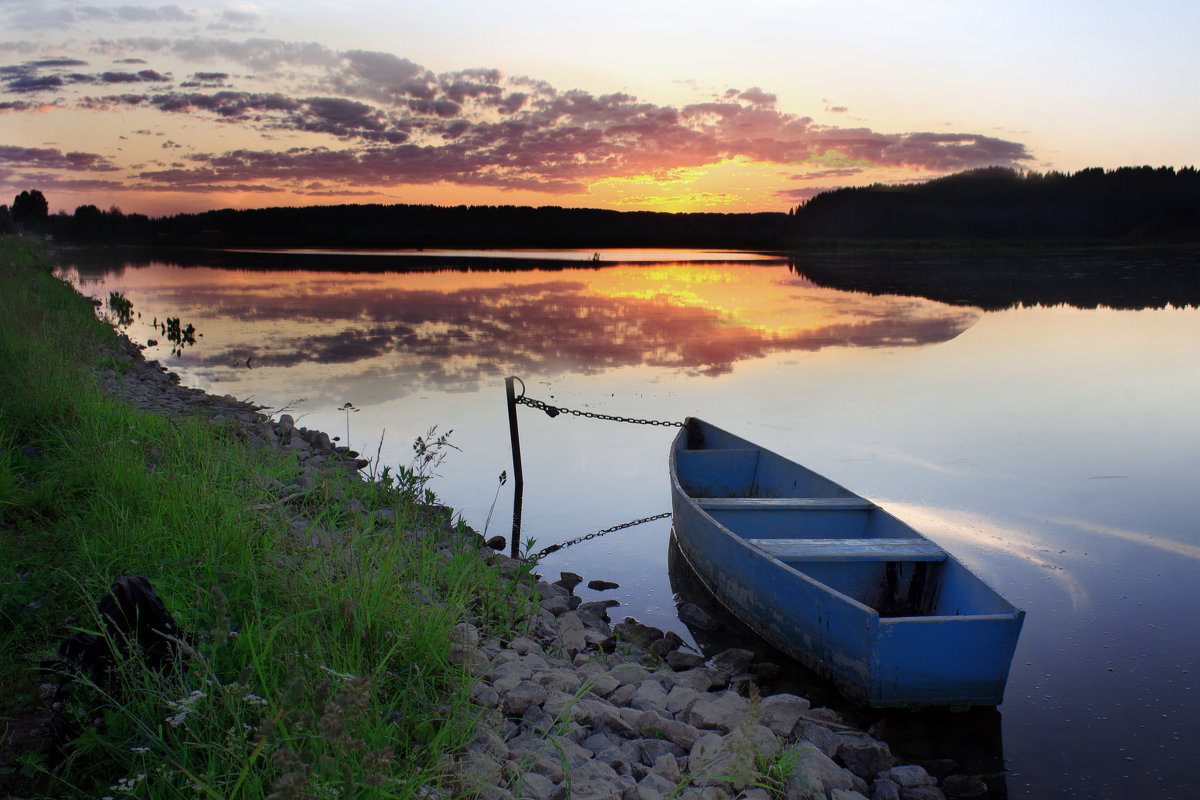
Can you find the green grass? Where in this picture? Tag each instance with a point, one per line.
(314, 671)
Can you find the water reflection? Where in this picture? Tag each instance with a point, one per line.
(456, 331)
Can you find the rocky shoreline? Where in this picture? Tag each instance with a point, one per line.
(582, 707)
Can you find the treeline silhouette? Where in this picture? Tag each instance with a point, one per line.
(1126, 204)
(1129, 205)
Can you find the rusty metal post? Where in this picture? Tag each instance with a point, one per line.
(518, 474)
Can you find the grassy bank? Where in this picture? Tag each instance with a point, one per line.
(307, 673)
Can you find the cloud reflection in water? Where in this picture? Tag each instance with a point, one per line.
(454, 331)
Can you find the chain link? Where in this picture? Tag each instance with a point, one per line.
(556, 547)
(554, 411)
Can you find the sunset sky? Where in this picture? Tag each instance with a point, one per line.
(747, 106)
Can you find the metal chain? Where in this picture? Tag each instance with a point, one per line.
(554, 411)
(556, 547)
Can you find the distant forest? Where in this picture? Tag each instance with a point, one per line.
(1128, 205)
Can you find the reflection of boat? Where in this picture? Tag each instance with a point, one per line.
(835, 581)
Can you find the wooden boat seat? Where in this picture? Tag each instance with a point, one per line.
(784, 503)
(851, 549)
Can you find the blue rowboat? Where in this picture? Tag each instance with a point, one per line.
(835, 581)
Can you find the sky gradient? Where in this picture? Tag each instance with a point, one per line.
(753, 106)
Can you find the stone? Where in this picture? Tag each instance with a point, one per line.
(723, 713)
(593, 780)
(465, 633)
(570, 633)
(648, 723)
(826, 740)
(515, 701)
(909, 775)
(922, 793)
(863, 756)
(564, 679)
(884, 789)
(601, 586)
(555, 604)
(653, 787)
(819, 773)
(622, 695)
(668, 643)
(781, 712)
(634, 633)
(708, 755)
(569, 580)
(533, 785)
(846, 794)
(680, 697)
(734, 661)
(680, 660)
(700, 679)
(496, 542)
(649, 697)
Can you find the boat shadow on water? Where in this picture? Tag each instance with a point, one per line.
(945, 742)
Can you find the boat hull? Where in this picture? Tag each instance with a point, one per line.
(951, 645)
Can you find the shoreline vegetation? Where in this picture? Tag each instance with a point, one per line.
(985, 208)
(335, 634)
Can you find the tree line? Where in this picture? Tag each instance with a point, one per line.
(998, 204)
(1130, 204)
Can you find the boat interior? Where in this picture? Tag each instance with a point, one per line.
(824, 531)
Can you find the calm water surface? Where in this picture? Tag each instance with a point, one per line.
(1053, 450)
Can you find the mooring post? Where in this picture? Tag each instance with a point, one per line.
(518, 474)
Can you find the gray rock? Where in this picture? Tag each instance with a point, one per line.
(909, 775)
(735, 660)
(781, 712)
(515, 701)
(708, 756)
(601, 586)
(819, 773)
(659, 784)
(570, 633)
(593, 780)
(863, 756)
(722, 713)
(465, 633)
(700, 679)
(667, 765)
(649, 697)
(921, 793)
(680, 697)
(681, 660)
(657, 726)
(532, 785)
(622, 696)
(826, 740)
(846, 794)
(569, 580)
(884, 789)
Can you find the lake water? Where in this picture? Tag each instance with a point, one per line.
(1053, 450)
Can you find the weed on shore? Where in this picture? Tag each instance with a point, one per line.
(306, 670)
